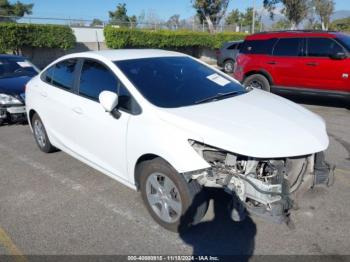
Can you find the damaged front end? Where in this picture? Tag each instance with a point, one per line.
(269, 188)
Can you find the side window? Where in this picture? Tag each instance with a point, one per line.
(96, 78)
(258, 46)
(288, 47)
(232, 47)
(323, 47)
(48, 75)
(62, 74)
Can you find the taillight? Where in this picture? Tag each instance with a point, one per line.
(218, 52)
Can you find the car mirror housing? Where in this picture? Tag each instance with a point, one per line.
(338, 56)
(108, 100)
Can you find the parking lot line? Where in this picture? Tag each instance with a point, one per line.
(7, 243)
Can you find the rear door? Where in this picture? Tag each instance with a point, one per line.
(285, 62)
(56, 92)
(322, 72)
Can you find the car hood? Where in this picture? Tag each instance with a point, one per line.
(13, 85)
(256, 124)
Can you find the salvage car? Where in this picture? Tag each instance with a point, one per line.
(168, 125)
(15, 72)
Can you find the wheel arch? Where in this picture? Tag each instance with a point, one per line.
(30, 116)
(141, 159)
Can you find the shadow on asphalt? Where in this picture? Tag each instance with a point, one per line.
(222, 236)
(319, 100)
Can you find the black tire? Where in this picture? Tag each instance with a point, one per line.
(1, 122)
(45, 145)
(257, 81)
(228, 66)
(194, 199)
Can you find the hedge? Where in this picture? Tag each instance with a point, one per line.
(14, 36)
(122, 37)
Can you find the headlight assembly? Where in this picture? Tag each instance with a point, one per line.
(9, 100)
(210, 154)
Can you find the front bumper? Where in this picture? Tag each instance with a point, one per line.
(13, 114)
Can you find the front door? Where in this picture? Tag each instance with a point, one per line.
(100, 136)
(322, 72)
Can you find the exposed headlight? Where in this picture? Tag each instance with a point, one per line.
(9, 100)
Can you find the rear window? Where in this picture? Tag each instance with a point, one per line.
(258, 46)
(288, 47)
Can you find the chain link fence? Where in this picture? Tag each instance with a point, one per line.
(156, 25)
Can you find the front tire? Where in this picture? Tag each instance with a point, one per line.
(173, 203)
(40, 135)
(257, 81)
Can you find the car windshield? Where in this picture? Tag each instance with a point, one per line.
(172, 82)
(16, 66)
(345, 40)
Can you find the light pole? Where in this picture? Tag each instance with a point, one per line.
(253, 25)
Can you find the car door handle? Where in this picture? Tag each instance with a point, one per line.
(78, 110)
(312, 64)
(272, 62)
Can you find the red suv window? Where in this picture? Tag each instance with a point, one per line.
(288, 47)
(322, 47)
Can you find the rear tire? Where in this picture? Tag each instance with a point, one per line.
(257, 81)
(40, 135)
(228, 66)
(173, 203)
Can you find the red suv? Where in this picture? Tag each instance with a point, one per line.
(296, 60)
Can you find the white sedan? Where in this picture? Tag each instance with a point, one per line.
(169, 125)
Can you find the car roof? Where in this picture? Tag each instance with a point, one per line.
(127, 54)
(292, 33)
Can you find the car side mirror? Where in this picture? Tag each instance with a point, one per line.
(109, 102)
(338, 56)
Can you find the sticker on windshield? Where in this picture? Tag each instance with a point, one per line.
(217, 79)
(24, 64)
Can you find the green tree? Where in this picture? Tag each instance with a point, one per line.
(234, 17)
(15, 10)
(96, 22)
(282, 24)
(295, 10)
(120, 17)
(324, 9)
(247, 18)
(341, 25)
(211, 11)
